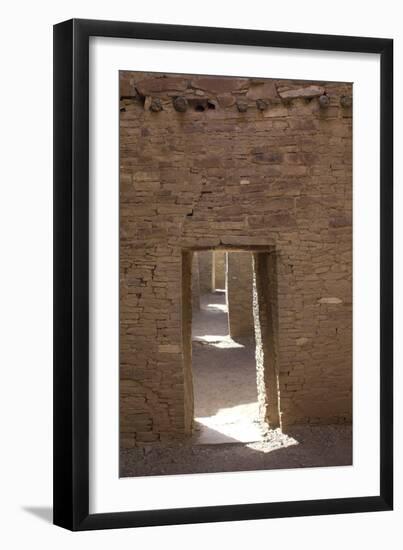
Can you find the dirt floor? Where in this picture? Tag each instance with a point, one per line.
(302, 447)
(224, 378)
(228, 436)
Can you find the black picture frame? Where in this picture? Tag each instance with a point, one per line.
(71, 274)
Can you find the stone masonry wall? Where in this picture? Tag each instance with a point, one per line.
(205, 271)
(239, 294)
(219, 268)
(195, 282)
(209, 162)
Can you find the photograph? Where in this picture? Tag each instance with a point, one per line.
(235, 273)
(200, 253)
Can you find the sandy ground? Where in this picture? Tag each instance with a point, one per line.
(226, 413)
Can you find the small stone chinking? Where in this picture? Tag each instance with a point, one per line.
(220, 161)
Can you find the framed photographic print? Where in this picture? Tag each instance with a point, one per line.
(223, 320)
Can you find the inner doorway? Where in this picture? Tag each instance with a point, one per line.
(226, 401)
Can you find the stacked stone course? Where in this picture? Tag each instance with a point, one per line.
(213, 175)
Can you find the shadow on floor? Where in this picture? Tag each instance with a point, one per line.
(45, 513)
(303, 447)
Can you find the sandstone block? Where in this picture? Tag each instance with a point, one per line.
(266, 90)
(219, 85)
(306, 92)
(330, 300)
(160, 85)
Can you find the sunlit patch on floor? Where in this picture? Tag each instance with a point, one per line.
(217, 307)
(238, 424)
(212, 433)
(223, 342)
(272, 441)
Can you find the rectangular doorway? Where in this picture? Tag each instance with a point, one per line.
(227, 371)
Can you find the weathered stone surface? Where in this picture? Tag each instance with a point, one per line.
(127, 90)
(340, 221)
(152, 86)
(205, 271)
(169, 348)
(226, 100)
(155, 105)
(180, 104)
(219, 85)
(266, 330)
(330, 300)
(301, 341)
(242, 105)
(307, 92)
(219, 269)
(265, 90)
(263, 155)
(247, 241)
(324, 101)
(261, 104)
(195, 282)
(239, 282)
(346, 101)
